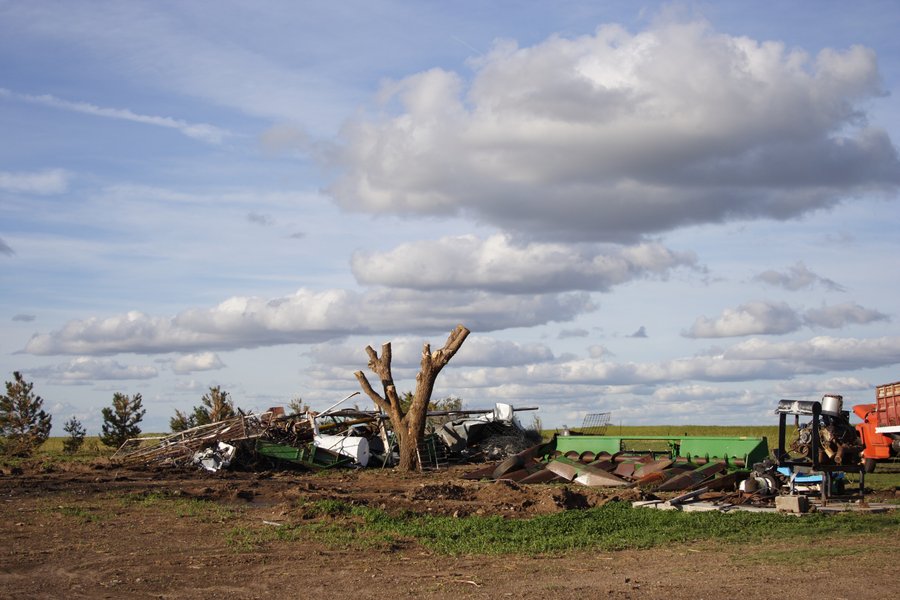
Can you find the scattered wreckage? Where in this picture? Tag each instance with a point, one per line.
(710, 473)
(332, 438)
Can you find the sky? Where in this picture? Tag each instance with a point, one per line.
(677, 213)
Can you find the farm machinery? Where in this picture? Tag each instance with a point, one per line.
(824, 445)
(880, 427)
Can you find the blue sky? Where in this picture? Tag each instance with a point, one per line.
(678, 213)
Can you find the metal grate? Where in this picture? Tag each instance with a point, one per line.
(432, 454)
(595, 423)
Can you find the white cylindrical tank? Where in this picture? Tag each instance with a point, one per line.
(356, 448)
(832, 404)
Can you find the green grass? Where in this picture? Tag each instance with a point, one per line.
(205, 511)
(80, 514)
(615, 526)
(886, 477)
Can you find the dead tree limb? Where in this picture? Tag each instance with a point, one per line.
(409, 426)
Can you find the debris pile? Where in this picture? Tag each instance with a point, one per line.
(332, 438)
(587, 460)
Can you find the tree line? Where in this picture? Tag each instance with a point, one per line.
(25, 425)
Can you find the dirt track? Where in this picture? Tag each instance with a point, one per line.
(97, 533)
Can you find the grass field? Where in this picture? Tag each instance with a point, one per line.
(614, 526)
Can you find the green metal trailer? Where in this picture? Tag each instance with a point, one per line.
(735, 451)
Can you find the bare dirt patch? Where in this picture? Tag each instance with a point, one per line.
(95, 531)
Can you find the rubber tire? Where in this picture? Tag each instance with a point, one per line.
(869, 465)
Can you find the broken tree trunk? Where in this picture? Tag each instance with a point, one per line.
(409, 426)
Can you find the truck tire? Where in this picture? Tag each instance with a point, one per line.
(869, 465)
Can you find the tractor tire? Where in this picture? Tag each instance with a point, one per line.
(869, 465)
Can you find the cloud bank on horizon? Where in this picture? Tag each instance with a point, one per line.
(655, 188)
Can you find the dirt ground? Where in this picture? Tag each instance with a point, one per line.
(83, 531)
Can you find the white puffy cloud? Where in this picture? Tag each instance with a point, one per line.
(797, 277)
(776, 318)
(305, 317)
(752, 360)
(832, 385)
(499, 264)
(822, 352)
(201, 361)
(85, 369)
(614, 136)
(50, 181)
(838, 315)
(753, 318)
(406, 353)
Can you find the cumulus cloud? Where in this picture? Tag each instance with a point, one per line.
(50, 181)
(777, 318)
(498, 264)
(832, 385)
(84, 369)
(615, 135)
(305, 317)
(752, 360)
(839, 315)
(23, 318)
(199, 131)
(797, 277)
(823, 352)
(754, 318)
(202, 361)
(406, 353)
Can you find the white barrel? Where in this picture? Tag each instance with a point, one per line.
(832, 404)
(356, 448)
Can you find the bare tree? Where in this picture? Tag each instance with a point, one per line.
(409, 425)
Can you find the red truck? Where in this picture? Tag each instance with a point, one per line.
(880, 429)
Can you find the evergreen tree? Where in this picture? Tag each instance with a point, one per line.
(76, 432)
(216, 405)
(182, 421)
(120, 421)
(23, 424)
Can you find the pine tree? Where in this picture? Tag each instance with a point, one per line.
(182, 421)
(76, 432)
(120, 422)
(23, 424)
(215, 406)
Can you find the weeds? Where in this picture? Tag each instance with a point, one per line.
(205, 511)
(81, 514)
(615, 526)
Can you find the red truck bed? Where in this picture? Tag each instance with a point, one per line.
(887, 399)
